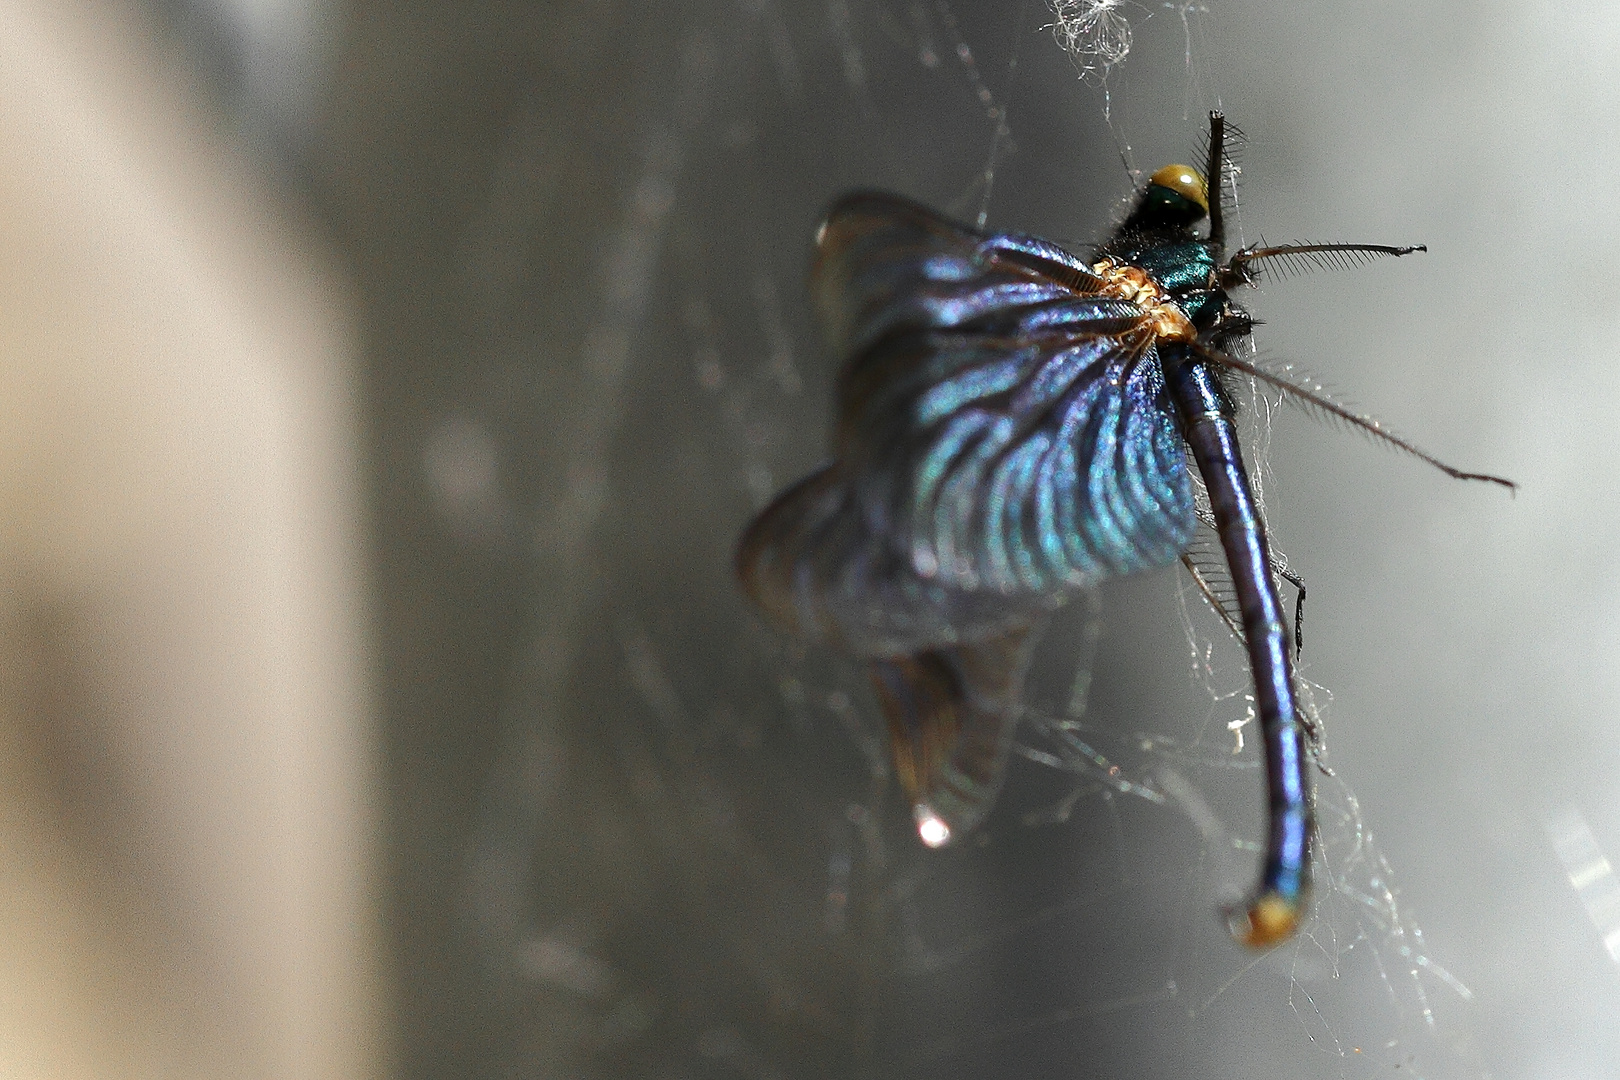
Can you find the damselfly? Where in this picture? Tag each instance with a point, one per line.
(1013, 425)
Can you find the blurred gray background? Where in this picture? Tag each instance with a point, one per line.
(622, 830)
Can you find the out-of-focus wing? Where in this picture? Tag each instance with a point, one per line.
(816, 567)
(951, 714)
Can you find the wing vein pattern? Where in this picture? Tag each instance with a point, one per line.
(1003, 438)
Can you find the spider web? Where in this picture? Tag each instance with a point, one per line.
(693, 860)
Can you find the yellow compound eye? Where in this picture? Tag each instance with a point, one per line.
(1184, 181)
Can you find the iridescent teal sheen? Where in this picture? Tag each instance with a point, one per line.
(950, 395)
(1176, 266)
(1001, 442)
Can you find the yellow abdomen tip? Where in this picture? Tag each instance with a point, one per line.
(1270, 920)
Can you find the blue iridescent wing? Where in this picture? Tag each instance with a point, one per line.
(1001, 424)
(886, 265)
(1020, 465)
(1003, 439)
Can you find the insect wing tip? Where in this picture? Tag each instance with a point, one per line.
(933, 830)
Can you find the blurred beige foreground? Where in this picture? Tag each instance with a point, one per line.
(185, 820)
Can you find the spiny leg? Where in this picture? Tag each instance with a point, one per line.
(1275, 911)
(1219, 604)
(1243, 267)
(1315, 398)
(1299, 609)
